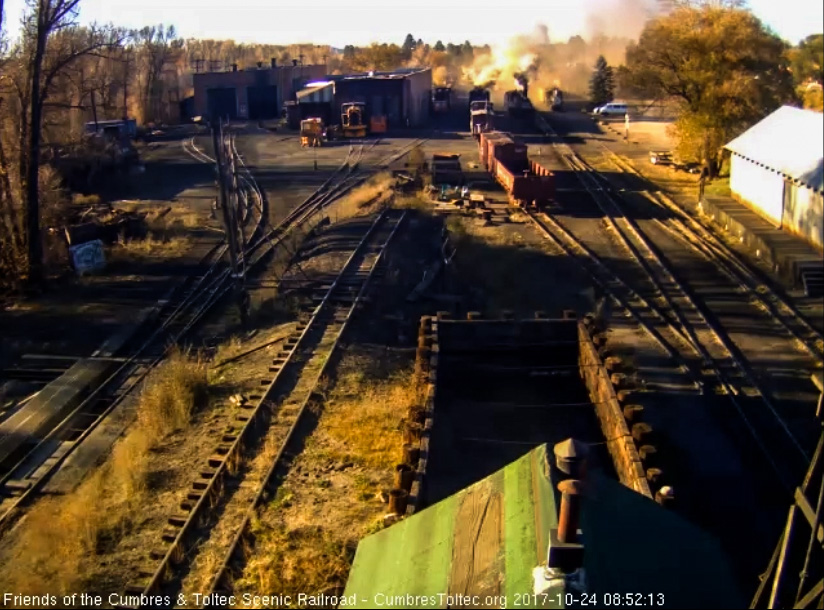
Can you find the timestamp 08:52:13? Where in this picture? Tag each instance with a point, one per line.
(591, 600)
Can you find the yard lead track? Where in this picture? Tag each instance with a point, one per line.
(721, 358)
(238, 477)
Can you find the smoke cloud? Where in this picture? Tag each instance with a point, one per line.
(536, 59)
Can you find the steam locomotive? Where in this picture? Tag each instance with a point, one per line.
(441, 100)
(516, 102)
(479, 94)
(556, 99)
(517, 105)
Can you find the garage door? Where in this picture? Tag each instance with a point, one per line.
(221, 102)
(263, 102)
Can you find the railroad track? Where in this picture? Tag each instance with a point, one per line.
(761, 290)
(703, 344)
(240, 475)
(27, 472)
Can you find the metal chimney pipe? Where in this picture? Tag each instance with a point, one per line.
(570, 514)
(571, 458)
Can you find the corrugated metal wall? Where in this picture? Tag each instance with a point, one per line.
(382, 97)
(804, 213)
(759, 187)
(287, 79)
(417, 93)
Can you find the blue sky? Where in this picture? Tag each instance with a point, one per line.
(340, 22)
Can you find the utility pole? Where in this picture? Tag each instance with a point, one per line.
(94, 113)
(228, 202)
(127, 53)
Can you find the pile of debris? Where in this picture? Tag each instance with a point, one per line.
(102, 221)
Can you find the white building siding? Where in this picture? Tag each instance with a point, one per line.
(804, 213)
(761, 188)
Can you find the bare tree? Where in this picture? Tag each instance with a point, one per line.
(157, 46)
(47, 22)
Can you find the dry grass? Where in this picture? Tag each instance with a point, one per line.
(718, 188)
(362, 426)
(167, 403)
(305, 539)
(303, 560)
(153, 246)
(79, 199)
(179, 217)
(360, 201)
(60, 536)
(228, 349)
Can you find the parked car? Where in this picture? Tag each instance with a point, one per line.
(611, 109)
(660, 157)
(665, 157)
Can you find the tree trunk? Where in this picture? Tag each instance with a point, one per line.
(708, 159)
(15, 234)
(35, 249)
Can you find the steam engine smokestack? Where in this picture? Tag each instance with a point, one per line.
(523, 83)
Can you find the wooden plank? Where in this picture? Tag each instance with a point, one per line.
(778, 583)
(811, 596)
(478, 542)
(809, 514)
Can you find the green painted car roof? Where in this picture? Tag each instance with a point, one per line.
(487, 540)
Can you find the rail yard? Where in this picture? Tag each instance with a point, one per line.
(443, 324)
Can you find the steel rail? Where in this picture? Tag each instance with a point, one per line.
(686, 294)
(207, 488)
(222, 576)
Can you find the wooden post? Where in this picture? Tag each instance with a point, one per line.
(404, 476)
(398, 499)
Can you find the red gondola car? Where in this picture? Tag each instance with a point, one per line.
(527, 183)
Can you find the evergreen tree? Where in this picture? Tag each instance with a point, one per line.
(408, 46)
(602, 83)
(439, 46)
